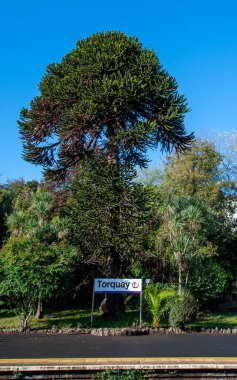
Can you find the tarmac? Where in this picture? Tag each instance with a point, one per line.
(34, 353)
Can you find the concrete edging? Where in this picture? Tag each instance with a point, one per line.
(92, 364)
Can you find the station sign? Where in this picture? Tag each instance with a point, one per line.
(117, 285)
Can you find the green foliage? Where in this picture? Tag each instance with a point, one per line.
(17, 374)
(78, 318)
(183, 234)
(184, 310)
(32, 215)
(196, 174)
(105, 217)
(75, 318)
(157, 302)
(31, 270)
(193, 223)
(105, 105)
(6, 197)
(208, 279)
(224, 320)
(108, 95)
(12, 195)
(118, 374)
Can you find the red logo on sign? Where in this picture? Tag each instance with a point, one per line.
(135, 284)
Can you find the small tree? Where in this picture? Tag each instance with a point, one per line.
(195, 223)
(197, 174)
(33, 217)
(185, 225)
(31, 271)
(226, 144)
(156, 299)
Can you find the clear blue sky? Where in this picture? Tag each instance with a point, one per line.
(196, 41)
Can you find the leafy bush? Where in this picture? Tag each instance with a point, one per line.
(32, 270)
(207, 280)
(183, 311)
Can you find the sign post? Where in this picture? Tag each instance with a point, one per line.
(92, 304)
(117, 285)
(141, 308)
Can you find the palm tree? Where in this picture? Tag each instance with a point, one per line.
(156, 300)
(184, 220)
(16, 222)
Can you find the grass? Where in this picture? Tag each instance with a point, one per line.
(81, 319)
(70, 319)
(220, 320)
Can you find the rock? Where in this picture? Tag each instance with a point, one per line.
(124, 332)
(94, 332)
(105, 332)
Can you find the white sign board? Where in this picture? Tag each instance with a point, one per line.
(117, 285)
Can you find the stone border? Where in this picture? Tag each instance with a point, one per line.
(123, 331)
(151, 331)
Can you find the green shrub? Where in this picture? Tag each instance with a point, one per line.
(183, 311)
(207, 280)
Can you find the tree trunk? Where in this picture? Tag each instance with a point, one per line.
(111, 303)
(186, 279)
(180, 288)
(39, 313)
(24, 324)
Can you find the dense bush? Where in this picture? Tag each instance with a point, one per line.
(183, 311)
(208, 280)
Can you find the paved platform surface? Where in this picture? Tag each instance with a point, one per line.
(38, 346)
(42, 353)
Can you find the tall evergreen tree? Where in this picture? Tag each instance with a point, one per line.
(108, 95)
(109, 99)
(97, 230)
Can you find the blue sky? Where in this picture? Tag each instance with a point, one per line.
(196, 41)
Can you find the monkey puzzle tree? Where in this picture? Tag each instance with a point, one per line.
(108, 98)
(108, 95)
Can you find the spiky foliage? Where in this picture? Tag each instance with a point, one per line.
(108, 95)
(106, 213)
(186, 226)
(156, 299)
